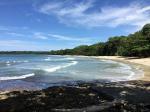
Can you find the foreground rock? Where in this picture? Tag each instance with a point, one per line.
(133, 96)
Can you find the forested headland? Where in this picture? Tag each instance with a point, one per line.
(137, 44)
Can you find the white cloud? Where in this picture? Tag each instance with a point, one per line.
(67, 38)
(77, 14)
(20, 45)
(47, 36)
(9, 42)
(14, 34)
(13, 28)
(40, 35)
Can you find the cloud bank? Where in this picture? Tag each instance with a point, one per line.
(81, 14)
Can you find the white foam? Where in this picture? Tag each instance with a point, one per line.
(47, 59)
(125, 66)
(69, 58)
(109, 61)
(131, 76)
(60, 67)
(16, 77)
(132, 73)
(52, 69)
(128, 72)
(7, 62)
(62, 59)
(26, 61)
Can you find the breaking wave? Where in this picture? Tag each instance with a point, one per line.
(61, 59)
(60, 67)
(17, 77)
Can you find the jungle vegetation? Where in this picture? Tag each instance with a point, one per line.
(137, 44)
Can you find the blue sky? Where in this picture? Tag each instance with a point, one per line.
(58, 24)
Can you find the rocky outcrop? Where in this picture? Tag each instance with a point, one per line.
(132, 96)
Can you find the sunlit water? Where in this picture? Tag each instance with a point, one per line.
(40, 71)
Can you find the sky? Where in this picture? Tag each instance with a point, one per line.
(42, 25)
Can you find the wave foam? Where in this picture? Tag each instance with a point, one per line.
(60, 67)
(47, 59)
(109, 61)
(17, 77)
(131, 72)
(62, 59)
(8, 62)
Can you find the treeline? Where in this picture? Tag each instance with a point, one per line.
(137, 44)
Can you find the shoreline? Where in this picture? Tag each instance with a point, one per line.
(142, 63)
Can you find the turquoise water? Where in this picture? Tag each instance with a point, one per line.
(40, 71)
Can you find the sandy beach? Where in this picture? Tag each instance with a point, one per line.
(143, 63)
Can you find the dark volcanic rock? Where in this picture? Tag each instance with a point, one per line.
(133, 96)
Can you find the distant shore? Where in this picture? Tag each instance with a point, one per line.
(143, 63)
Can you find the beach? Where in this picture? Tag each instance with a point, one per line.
(142, 63)
(86, 96)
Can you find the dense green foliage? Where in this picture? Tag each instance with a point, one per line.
(137, 44)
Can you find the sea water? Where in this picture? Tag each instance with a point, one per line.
(40, 71)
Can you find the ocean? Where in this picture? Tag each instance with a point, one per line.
(28, 71)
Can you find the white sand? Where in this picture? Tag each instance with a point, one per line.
(142, 61)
